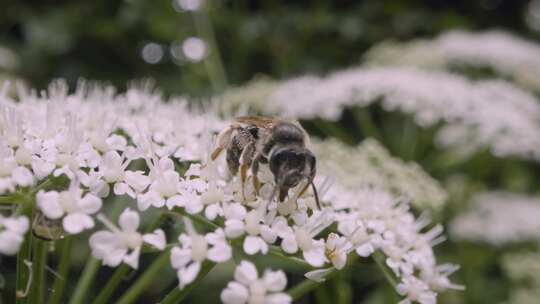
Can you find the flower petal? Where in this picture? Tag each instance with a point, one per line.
(49, 205)
(278, 298)
(77, 222)
(254, 244)
(132, 259)
(156, 239)
(188, 274)
(245, 273)
(129, 220)
(180, 257)
(274, 280)
(235, 293)
(90, 203)
(220, 253)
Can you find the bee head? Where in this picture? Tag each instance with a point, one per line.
(290, 164)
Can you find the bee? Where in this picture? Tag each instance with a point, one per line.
(251, 141)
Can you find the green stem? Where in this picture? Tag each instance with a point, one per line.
(39, 261)
(303, 288)
(177, 295)
(378, 257)
(9, 200)
(275, 251)
(41, 186)
(145, 279)
(86, 279)
(26, 208)
(308, 285)
(92, 265)
(117, 277)
(212, 63)
(363, 119)
(63, 268)
(197, 218)
(409, 139)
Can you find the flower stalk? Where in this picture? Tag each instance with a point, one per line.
(109, 288)
(63, 270)
(177, 295)
(39, 260)
(85, 281)
(145, 279)
(26, 208)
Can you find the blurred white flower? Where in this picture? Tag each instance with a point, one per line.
(416, 291)
(249, 288)
(194, 48)
(123, 244)
(189, 5)
(499, 218)
(477, 114)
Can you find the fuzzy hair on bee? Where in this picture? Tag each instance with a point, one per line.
(253, 140)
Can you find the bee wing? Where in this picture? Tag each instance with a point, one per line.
(258, 121)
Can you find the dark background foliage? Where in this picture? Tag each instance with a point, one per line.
(102, 39)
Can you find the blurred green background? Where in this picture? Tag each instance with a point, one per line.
(118, 41)
(104, 39)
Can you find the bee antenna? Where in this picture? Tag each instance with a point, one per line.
(315, 194)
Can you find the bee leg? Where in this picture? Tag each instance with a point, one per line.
(254, 172)
(245, 161)
(223, 139)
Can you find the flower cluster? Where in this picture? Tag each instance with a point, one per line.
(12, 231)
(499, 218)
(503, 52)
(155, 155)
(474, 114)
(523, 267)
(379, 170)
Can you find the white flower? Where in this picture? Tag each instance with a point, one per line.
(258, 234)
(195, 249)
(437, 278)
(301, 237)
(337, 248)
(41, 167)
(113, 167)
(23, 177)
(415, 290)
(234, 214)
(123, 244)
(72, 206)
(164, 187)
(12, 231)
(249, 288)
(135, 183)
